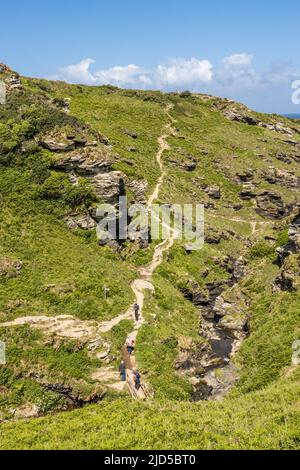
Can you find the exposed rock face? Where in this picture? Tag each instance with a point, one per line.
(282, 177)
(13, 82)
(230, 314)
(213, 191)
(245, 176)
(83, 221)
(11, 78)
(75, 397)
(64, 141)
(89, 159)
(109, 186)
(239, 269)
(9, 268)
(195, 359)
(248, 192)
(5, 69)
(213, 237)
(289, 258)
(286, 158)
(270, 204)
(289, 278)
(233, 115)
(139, 189)
(294, 234)
(195, 293)
(216, 384)
(223, 329)
(240, 113)
(85, 162)
(277, 127)
(26, 411)
(190, 164)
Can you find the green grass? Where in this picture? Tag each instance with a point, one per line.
(64, 272)
(269, 419)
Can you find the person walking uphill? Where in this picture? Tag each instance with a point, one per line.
(122, 370)
(136, 309)
(137, 379)
(130, 346)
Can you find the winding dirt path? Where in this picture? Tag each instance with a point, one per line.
(144, 282)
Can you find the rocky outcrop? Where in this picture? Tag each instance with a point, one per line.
(25, 411)
(234, 115)
(214, 237)
(182, 159)
(282, 177)
(5, 69)
(139, 189)
(240, 113)
(224, 326)
(75, 395)
(239, 269)
(11, 79)
(9, 268)
(213, 191)
(194, 359)
(245, 176)
(85, 162)
(89, 159)
(190, 164)
(197, 295)
(289, 259)
(277, 127)
(270, 204)
(109, 186)
(288, 158)
(248, 192)
(288, 279)
(230, 314)
(66, 140)
(82, 221)
(13, 82)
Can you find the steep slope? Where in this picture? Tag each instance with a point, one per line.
(217, 321)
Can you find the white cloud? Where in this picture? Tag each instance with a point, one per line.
(176, 73)
(235, 75)
(78, 73)
(120, 75)
(238, 60)
(145, 80)
(179, 72)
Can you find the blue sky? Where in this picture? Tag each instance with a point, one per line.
(248, 51)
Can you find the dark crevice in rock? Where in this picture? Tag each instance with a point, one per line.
(72, 397)
(209, 367)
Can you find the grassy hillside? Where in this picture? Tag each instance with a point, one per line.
(244, 167)
(261, 420)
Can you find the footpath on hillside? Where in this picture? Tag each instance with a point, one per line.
(144, 281)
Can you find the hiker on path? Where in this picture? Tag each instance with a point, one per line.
(130, 346)
(136, 309)
(137, 379)
(122, 370)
